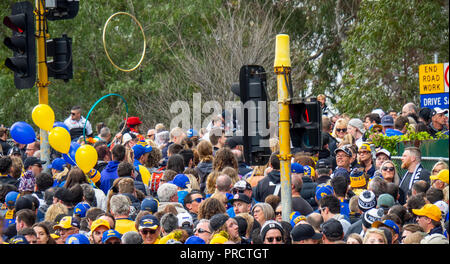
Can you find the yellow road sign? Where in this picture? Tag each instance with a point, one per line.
(431, 78)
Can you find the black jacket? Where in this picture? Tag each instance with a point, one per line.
(267, 186)
(203, 169)
(308, 191)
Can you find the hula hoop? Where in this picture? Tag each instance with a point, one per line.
(104, 42)
(95, 104)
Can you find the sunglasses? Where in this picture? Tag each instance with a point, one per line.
(363, 152)
(148, 231)
(73, 113)
(277, 213)
(341, 129)
(388, 168)
(201, 230)
(270, 239)
(235, 191)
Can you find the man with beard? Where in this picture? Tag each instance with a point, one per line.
(411, 159)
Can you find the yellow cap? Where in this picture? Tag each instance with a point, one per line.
(365, 147)
(282, 52)
(429, 210)
(442, 175)
(99, 222)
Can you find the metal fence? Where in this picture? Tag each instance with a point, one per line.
(427, 163)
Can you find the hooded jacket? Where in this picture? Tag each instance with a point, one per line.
(268, 185)
(108, 175)
(203, 169)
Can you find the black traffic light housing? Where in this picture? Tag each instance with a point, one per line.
(255, 123)
(306, 125)
(23, 44)
(61, 51)
(61, 9)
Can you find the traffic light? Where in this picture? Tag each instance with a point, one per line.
(254, 115)
(61, 51)
(23, 44)
(306, 125)
(61, 9)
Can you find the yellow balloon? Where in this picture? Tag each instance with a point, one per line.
(86, 157)
(59, 139)
(43, 116)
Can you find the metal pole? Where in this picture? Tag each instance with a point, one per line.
(282, 67)
(42, 82)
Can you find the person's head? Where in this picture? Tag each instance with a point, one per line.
(428, 217)
(410, 229)
(177, 135)
(205, 150)
(125, 169)
(304, 234)
(263, 212)
(389, 172)
(440, 179)
(340, 128)
(118, 152)
(409, 108)
(343, 156)
(98, 227)
(375, 236)
(149, 229)
(43, 233)
(223, 158)
(217, 137)
(25, 218)
(411, 157)
(272, 232)
(321, 98)
(176, 163)
(168, 223)
(193, 200)
(354, 238)
(168, 192)
(377, 185)
(120, 205)
(34, 165)
(340, 185)
(332, 231)
(329, 205)
(365, 154)
(67, 226)
(211, 206)
(438, 166)
(203, 230)
(132, 237)
(356, 128)
(241, 203)
(400, 123)
(439, 118)
(75, 113)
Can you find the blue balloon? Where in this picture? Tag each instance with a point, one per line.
(73, 149)
(23, 133)
(61, 124)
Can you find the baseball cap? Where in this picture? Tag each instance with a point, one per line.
(309, 171)
(31, 161)
(242, 185)
(346, 149)
(149, 221)
(181, 180)
(217, 220)
(140, 150)
(57, 164)
(387, 120)
(332, 228)
(365, 146)
(323, 164)
(387, 223)
(192, 133)
(185, 219)
(442, 175)
(150, 204)
(110, 234)
(429, 210)
(99, 222)
(323, 190)
(11, 198)
(297, 168)
(81, 209)
(234, 141)
(67, 222)
(240, 197)
(438, 110)
(194, 240)
(385, 200)
(383, 151)
(77, 239)
(303, 232)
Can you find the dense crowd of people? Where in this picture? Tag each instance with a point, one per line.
(161, 186)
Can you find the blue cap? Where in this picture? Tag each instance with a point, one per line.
(296, 168)
(309, 171)
(57, 164)
(19, 239)
(150, 204)
(296, 217)
(11, 198)
(322, 190)
(81, 209)
(192, 133)
(387, 120)
(77, 239)
(194, 240)
(149, 221)
(181, 180)
(388, 223)
(140, 150)
(110, 234)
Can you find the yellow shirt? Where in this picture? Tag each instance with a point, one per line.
(145, 175)
(124, 225)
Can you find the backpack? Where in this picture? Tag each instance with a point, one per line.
(155, 179)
